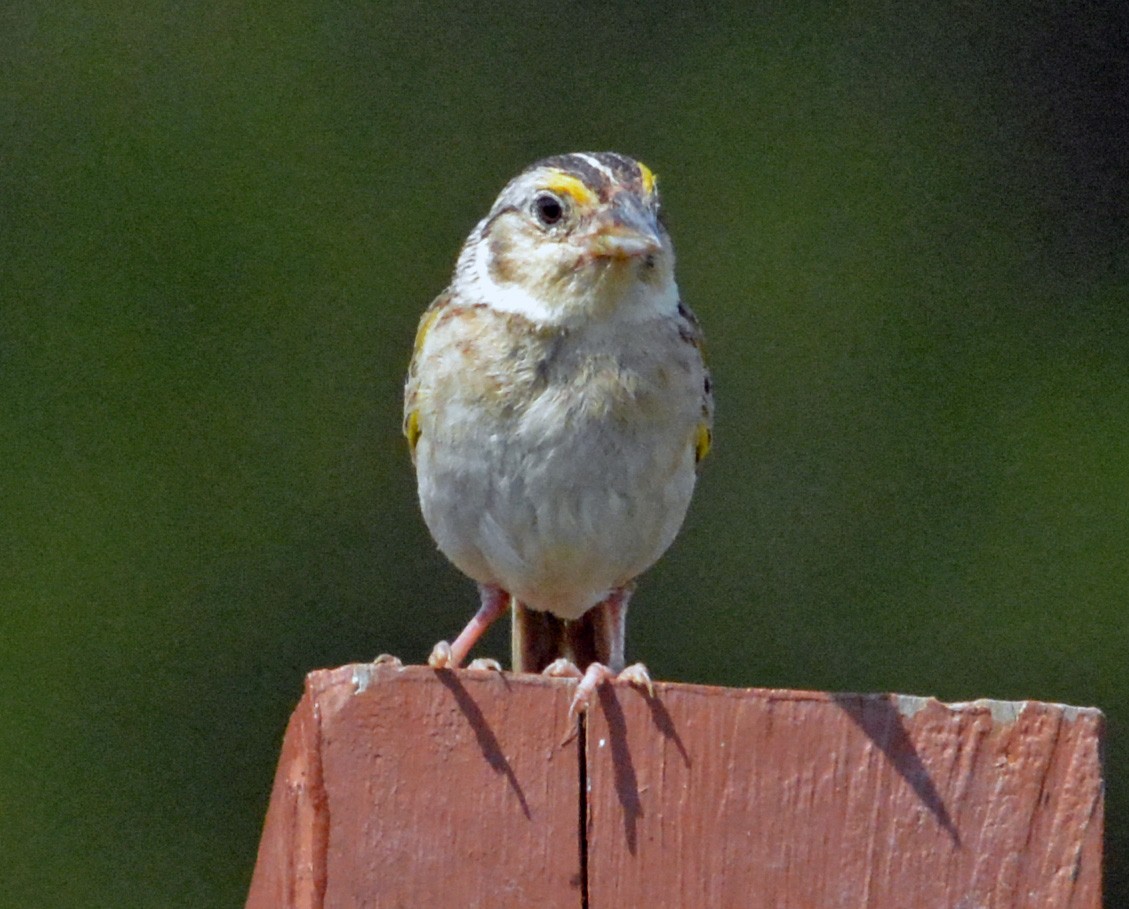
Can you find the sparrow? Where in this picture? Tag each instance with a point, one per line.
(557, 409)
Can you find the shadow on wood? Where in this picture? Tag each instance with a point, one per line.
(407, 787)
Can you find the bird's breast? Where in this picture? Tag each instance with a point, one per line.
(554, 465)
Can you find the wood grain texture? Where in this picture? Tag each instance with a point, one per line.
(290, 870)
(727, 798)
(411, 787)
(432, 788)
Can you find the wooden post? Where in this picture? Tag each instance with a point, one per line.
(411, 787)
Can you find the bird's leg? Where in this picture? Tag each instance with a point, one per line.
(609, 624)
(495, 601)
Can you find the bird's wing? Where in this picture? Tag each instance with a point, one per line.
(691, 331)
(411, 383)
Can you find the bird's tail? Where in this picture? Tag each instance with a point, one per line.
(596, 637)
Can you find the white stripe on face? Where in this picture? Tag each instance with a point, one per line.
(508, 297)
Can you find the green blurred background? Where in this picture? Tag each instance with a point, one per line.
(903, 229)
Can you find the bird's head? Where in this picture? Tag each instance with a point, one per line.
(573, 238)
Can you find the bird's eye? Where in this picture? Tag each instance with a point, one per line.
(548, 208)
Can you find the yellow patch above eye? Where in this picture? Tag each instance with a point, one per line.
(648, 178)
(567, 185)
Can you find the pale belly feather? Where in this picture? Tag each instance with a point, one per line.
(569, 491)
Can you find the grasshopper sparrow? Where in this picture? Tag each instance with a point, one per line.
(557, 407)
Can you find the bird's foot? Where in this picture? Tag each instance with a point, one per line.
(591, 679)
(447, 655)
(441, 656)
(597, 673)
(562, 669)
(387, 659)
(638, 675)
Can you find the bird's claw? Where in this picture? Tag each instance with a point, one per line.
(485, 664)
(441, 657)
(638, 675)
(387, 659)
(596, 674)
(562, 669)
(585, 688)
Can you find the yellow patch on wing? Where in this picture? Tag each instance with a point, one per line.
(648, 178)
(438, 307)
(411, 429)
(702, 443)
(567, 185)
(425, 325)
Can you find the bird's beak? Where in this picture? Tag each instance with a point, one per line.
(625, 231)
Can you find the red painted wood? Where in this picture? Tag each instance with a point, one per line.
(727, 798)
(290, 871)
(410, 787)
(423, 788)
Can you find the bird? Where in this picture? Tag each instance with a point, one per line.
(558, 408)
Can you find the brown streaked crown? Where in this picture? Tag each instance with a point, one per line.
(605, 173)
